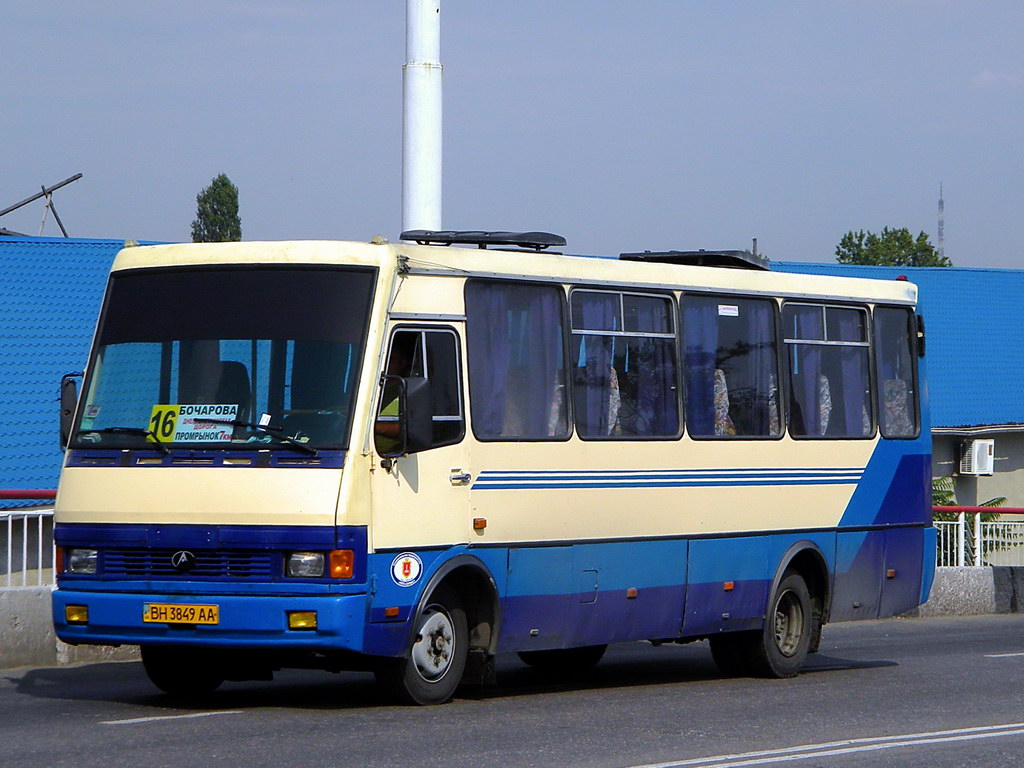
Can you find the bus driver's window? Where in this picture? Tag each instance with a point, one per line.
(433, 355)
(405, 348)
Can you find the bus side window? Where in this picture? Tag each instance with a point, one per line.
(515, 343)
(894, 356)
(431, 354)
(829, 382)
(624, 365)
(731, 367)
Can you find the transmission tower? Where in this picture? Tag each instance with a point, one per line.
(942, 225)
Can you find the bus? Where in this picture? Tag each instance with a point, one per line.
(411, 457)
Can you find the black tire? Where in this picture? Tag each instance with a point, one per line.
(784, 642)
(564, 662)
(182, 672)
(436, 659)
(732, 651)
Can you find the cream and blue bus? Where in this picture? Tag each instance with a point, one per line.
(412, 457)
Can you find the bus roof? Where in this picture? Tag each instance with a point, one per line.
(554, 267)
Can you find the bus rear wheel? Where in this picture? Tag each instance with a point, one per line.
(433, 668)
(786, 638)
(182, 672)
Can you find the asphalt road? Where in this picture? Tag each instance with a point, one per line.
(922, 692)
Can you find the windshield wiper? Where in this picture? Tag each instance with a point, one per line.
(130, 431)
(273, 431)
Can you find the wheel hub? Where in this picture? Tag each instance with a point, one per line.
(788, 624)
(434, 648)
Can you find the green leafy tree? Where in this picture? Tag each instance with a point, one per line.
(217, 213)
(890, 248)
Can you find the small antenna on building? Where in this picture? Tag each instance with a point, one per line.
(46, 192)
(942, 225)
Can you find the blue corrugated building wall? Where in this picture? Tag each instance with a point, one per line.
(50, 295)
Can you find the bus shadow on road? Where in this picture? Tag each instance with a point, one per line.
(629, 666)
(126, 683)
(633, 666)
(822, 663)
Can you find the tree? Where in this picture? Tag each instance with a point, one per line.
(891, 247)
(217, 213)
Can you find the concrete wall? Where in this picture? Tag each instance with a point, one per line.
(975, 591)
(27, 638)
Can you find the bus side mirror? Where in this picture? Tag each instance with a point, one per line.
(68, 405)
(416, 415)
(406, 421)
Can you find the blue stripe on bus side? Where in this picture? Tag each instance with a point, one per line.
(605, 479)
(659, 484)
(895, 488)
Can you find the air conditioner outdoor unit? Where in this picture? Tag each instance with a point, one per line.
(977, 457)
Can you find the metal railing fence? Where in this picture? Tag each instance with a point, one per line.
(970, 541)
(26, 546)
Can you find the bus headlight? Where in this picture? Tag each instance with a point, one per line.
(308, 564)
(81, 560)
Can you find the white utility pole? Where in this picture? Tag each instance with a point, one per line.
(421, 116)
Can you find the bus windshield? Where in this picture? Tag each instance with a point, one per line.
(226, 357)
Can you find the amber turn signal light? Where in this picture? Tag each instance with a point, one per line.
(343, 563)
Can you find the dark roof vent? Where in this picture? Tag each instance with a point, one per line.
(732, 259)
(536, 241)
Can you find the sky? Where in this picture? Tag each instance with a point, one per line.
(622, 125)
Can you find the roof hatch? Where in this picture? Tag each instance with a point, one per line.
(732, 259)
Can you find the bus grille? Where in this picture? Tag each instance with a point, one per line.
(217, 564)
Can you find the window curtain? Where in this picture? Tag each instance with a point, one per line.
(805, 368)
(700, 345)
(488, 341)
(854, 366)
(593, 380)
(657, 401)
(516, 360)
(542, 396)
(761, 334)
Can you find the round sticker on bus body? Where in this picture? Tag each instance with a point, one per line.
(406, 569)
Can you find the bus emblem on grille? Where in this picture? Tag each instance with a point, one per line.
(183, 560)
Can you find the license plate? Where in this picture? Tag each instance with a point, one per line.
(169, 613)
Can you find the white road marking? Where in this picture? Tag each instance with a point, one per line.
(844, 747)
(1002, 655)
(158, 718)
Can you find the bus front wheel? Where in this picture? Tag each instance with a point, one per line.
(181, 672)
(433, 668)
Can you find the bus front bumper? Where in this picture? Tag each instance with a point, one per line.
(242, 621)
